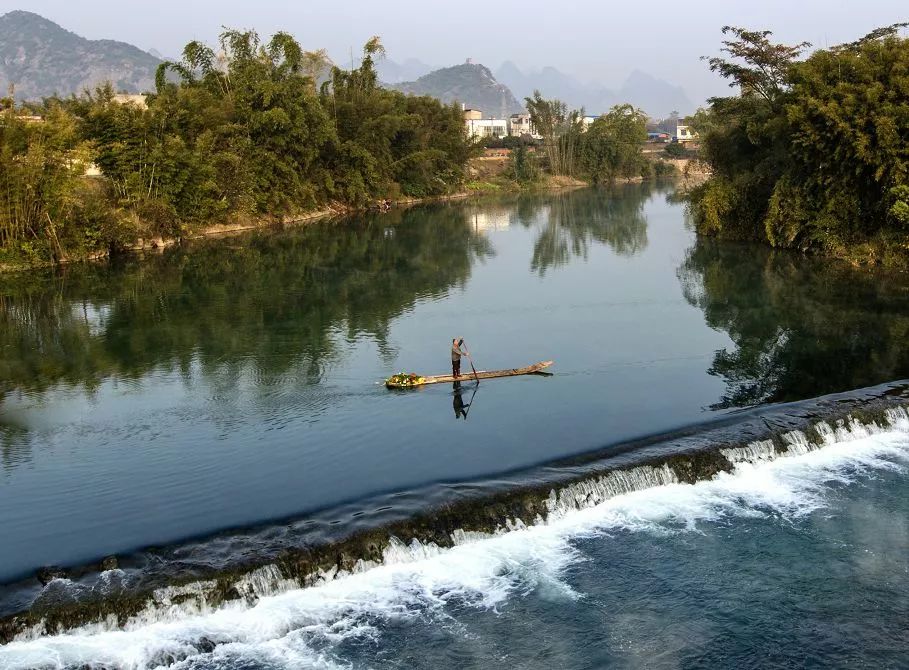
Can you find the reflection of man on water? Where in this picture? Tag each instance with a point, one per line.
(460, 407)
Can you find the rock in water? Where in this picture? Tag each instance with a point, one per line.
(49, 573)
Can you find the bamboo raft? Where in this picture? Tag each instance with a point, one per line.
(469, 376)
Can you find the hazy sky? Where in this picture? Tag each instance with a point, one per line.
(593, 40)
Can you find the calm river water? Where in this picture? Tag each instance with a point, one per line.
(236, 382)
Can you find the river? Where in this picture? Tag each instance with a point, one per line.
(218, 408)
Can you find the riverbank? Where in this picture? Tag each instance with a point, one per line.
(501, 184)
(330, 211)
(234, 226)
(489, 174)
(692, 172)
(885, 252)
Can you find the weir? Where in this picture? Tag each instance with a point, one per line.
(245, 566)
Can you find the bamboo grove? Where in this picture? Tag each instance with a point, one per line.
(609, 149)
(258, 129)
(813, 153)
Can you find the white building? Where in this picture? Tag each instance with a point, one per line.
(587, 121)
(478, 127)
(136, 100)
(685, 134)
(520, 125)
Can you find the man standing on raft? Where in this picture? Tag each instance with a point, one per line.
(456, 354)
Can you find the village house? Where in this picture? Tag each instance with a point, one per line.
(517, 125)
(137, 100)
(520, 125)
(478, 127)
(29, 118)
(684, 134)
(587, 121)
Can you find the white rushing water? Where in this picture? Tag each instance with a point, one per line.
(293, 627)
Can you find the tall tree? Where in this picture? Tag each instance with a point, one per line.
(756, 65)
(613, 143)
(560, 130)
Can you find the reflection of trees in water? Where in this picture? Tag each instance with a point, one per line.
(265, 304)
(569, 223)
(14, 448)
(802, 327)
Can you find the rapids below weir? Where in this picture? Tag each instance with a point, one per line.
(167, 607)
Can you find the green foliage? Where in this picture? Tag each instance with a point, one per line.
(507, 142)
(812, 154)
(42, 201)
(757, 66)
(611, 147)
(561, 130)
(674, 150)
(239, 133)
(899, 208)
(483, 187)
(389, 141)
(523, 166)
(664, 170)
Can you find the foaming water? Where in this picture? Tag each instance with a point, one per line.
(279, 624)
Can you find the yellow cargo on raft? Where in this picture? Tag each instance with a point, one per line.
(404, 380)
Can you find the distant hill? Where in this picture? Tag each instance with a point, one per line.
(392, 72)
(656, 97)
(43, 59)
(552, 84)
(470, 84)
